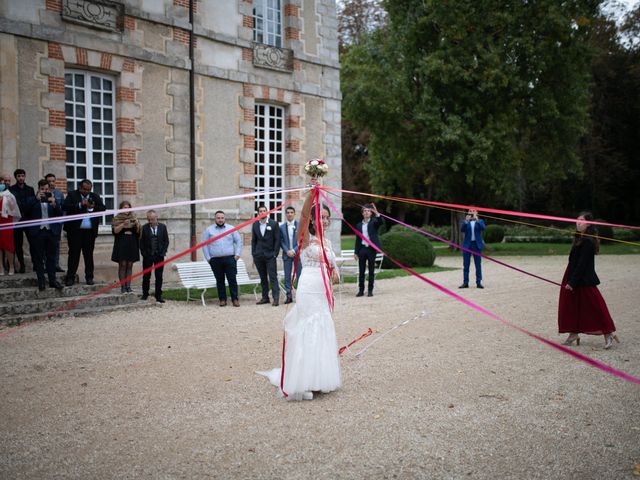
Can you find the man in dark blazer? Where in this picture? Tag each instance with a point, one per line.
(289, 245)
(43, 205)
(81, 234)
(472, 228)
(265, 245)
(56, 227)
(154, 243)
(23, 193)
(364, 252)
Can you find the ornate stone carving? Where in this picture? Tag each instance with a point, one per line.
(101, 14)
(267, 56)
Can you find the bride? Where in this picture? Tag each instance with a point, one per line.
(311, 362)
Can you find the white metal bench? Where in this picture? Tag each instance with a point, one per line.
(199, 275)
(349, 265)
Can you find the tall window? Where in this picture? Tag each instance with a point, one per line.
(267, 22)
(269, 156)
(90, 127)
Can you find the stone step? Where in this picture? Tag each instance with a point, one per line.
(14, 320)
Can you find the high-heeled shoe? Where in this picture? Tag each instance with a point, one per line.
(608, 340)
(573, 337)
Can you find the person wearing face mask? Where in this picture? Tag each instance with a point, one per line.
(9, 213)
(581, 308)
(311, 361)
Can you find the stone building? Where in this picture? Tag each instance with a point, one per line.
(106, 89)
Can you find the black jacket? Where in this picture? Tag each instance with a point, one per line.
(372, 230)
(145, 240)
(581, 270)
(23, 195)
(33, 211)
(72, 206)
(266, 246)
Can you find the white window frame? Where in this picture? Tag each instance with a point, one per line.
(98, 141)
(270, 154)
(267, 22)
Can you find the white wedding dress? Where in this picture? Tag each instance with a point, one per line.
(311, 361)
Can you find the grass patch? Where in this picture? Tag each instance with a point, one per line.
(398, 272)
(180, 294)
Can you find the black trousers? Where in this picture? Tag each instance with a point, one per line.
(18, 240)
(225, 266)
(146, 278)
(43, 249)
(366, 255)
(268, 273)
(80, 240)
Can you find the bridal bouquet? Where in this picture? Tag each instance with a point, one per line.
(316, 167)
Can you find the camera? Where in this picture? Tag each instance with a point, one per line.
(46, 197)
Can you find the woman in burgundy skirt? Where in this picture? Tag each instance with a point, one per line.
(581, 308)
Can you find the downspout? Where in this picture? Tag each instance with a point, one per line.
(192, 134)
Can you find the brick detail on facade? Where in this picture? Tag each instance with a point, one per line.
(280, 95)
(292, 121)
(248, 114)
(265, 93)
(292, 169)
(125, 125)
(55, 52)
(247, 90)
(81, 56)
(56, 118)
(56, 84)
(127, 187)
(250, 142)
(58, 151)
(185, 4)
(125, 94)
(247, 55)
(54, 5)
(247, 21)
(293, 196)
(128, 66)
(105, 61)
(129, 22)
(249, 168)
(292, 145)
(291, 33)
(126, 156)
(181, 35)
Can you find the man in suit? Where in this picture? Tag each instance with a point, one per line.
(364, 252)
(23, 193)
(289, 245)
(472, 228)
(154, 243)
(223, 255)
(82, 233)
(265, 244)
(43, 205)
(56, 228)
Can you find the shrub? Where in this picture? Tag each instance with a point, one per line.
(604, 231)
(493, 234)
(442, 232)
(410, 248)
(626, 234)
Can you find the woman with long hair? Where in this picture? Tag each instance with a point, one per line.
(126, 245)
(310, 360)
(9, 213)
(581, 307)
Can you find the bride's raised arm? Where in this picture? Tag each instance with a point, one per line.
(305, 215)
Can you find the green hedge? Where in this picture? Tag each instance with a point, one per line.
(407, 247)
(493, 234)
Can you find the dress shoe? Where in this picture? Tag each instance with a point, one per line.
(69, 282)
(41, 287)
(144, 296)
(59, 269)
(57, 285)
(263, 301)
(223, 303)
(479, 285)
(370, 294)
(90, 281)
(159, 300)
(360, 294)
(464, 285)
(21, 270)
(608, 340)
(288, 301)
(275, 303)
(236, 302)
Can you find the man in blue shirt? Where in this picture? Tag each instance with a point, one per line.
(223, 255)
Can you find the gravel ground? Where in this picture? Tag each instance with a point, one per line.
(171, 392)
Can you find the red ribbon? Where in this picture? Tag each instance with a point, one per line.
(364, 335)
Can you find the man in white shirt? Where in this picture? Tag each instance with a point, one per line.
(364, 252)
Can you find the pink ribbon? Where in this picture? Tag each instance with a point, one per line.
(595, 363)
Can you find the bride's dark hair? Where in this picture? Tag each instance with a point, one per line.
(312, 226)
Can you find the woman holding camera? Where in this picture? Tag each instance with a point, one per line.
(581, 308)
(126, 246)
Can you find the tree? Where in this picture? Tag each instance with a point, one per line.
(472, 100)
